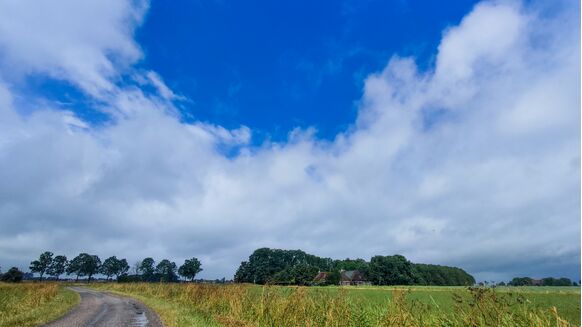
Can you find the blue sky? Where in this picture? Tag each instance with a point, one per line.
(275, 66)
(171, 129)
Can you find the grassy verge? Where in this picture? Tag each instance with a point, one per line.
(33, 304)
(248, 305)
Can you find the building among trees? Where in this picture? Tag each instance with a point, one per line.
(353, 277)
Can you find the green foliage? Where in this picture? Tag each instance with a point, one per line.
(300, 274)
(549, 281)
(57, 266)
(84, 265)
(125, 278)
(41, 265)
(166, 271)
(303, 274)
(74, 267)
(333, 278)
(521, 281)
(113, 266)
(265, 263)
(13, 275)
(122, 267)
(392, 270)
(147, 269)
(352, 264)
(190, 268)
(442, 275)
(292, 266)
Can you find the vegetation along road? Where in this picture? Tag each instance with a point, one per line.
(101, 309)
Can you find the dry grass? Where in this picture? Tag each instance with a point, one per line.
(32, 304)
(246, 305)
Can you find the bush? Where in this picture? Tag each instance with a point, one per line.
(14, 275)
(125, 278)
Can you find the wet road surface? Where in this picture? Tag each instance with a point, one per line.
(98, 309)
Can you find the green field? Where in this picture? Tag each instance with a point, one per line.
(565, 299)
(250, 305)
(33, 304)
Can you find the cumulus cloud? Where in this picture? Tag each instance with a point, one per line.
(474, 162)
(86, 43)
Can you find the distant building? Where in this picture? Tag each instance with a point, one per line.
(321, 277)
(353, 277)
(537, 282)
(347, 277)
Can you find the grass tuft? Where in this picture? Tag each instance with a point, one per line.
(249, 305)
(33, 304)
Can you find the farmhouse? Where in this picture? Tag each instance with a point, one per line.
(537, 282)
(352, 277)
(347, 277)
(321, 277)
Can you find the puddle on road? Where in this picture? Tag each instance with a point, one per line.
(140, 320)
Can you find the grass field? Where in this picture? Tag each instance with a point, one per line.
(33, 304)
(249, 305)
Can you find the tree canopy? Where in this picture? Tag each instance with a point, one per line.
(58, 266)
(548, 281)
(43, 263)
(299, 268)
(166, 270)
(84, 265)
(113, 266)
(13, 275)
(190, 268)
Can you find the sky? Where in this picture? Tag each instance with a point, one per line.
(173, 129)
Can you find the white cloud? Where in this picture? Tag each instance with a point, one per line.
(491, 185)
(86, 43)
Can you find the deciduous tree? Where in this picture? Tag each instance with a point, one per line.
(58, 266)
(109, 267)
(190, 268)
(167, 271)
(147, 269)
(84, 265)
(13, 275)
(43, 263)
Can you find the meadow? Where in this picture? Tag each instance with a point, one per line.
(250, 305)
(33, 304)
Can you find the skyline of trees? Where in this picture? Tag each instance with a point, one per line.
(299, 268)
(88, 265)
(272, 266)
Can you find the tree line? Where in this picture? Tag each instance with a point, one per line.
(299, 268)
(88, 265)
(548, 281)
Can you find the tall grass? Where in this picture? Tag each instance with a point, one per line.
(246, 305)
(32, 304)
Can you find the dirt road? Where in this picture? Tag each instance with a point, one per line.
(98, 309)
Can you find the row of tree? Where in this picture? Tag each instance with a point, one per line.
(297, 267)
(87, 265)
(165, 271)
(548, 281)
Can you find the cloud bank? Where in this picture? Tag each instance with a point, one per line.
(474, 162)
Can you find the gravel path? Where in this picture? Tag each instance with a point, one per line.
(98, 309)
